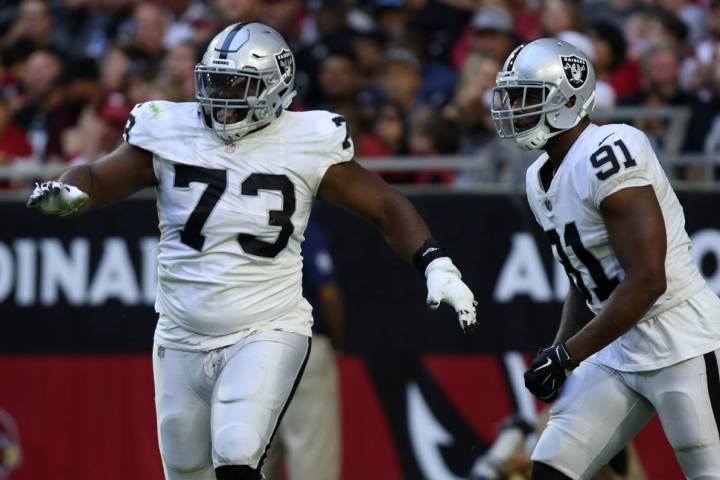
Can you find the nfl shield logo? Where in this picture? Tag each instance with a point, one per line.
(285, 64)
(576, 70)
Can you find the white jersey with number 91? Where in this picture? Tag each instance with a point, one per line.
(232, 216)
(602, 161)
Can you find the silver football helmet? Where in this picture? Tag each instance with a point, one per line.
(543, 89)
(245, 80)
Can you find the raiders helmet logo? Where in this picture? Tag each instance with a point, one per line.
(576, 70)
(286, 65)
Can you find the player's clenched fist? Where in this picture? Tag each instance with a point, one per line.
(548, 372)
(444, 284)
(57, 198)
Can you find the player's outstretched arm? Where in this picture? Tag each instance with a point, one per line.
(636, 230)
(352, 187)
(85, 187)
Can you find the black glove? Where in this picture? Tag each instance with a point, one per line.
(548, 372)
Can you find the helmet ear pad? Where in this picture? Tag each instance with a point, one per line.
(568, 115)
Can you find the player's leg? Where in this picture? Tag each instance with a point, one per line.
(275, 459)
(183, 418)
(687, 399)
(595, 416)
(311, 425)
(250, 397)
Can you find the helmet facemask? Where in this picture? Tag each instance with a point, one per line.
(235, 102)
(520, 110)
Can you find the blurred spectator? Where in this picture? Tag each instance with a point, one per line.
(559, 16)
(490, 33)
(393, 18)
(401, 80)
(93, 27)
(33, 23)
(660, 87)
(192, 20)
(176, 77)
(647, 27)
(387, 137)
(42, 99)
(438, 78)
(328, 33)
(690, 13)
(232, 11)
(470, 107)
(149, 31)
(113, 68)
(368, 49)
(368, 61)
(441, 24)
(339, 81)
(14, 63)
(432, 134)
(13, 141)
(138, 82)
(610, 62)
(285, 16)
(97, 132)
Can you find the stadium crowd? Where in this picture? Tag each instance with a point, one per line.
(412, 77)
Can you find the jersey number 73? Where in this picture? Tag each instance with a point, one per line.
(216, 181)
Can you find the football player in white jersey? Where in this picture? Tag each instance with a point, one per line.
(235, 175)
(640, 329)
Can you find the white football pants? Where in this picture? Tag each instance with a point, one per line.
(222, 407)
(309, 434)
(600, 410)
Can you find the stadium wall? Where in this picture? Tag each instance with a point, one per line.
(420, 400)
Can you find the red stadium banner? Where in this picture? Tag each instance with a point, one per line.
(84, 417)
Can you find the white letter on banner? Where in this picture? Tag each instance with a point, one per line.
(61, 271)
(26, 267)
(115, 277)
(523, 272)
(707, 242)
(7, 271)
(148, 249)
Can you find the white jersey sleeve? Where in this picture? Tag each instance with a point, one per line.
(162, 128)
(624, 159)
(337, 145)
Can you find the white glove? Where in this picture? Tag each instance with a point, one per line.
(56, 198)
(444, 285)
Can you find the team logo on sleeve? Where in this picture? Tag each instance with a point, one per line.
(286, 65)
(576, 70)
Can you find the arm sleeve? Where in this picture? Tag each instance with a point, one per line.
(158, 127)
(340, 146)
(626, 161)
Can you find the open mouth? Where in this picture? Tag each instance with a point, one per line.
(229, 116)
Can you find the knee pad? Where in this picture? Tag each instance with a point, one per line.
(237, 472)
(182, 450)
(238, 444)
(685, 427)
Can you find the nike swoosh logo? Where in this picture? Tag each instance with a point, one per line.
(429, 250)
(601, 141)
(546, 364)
